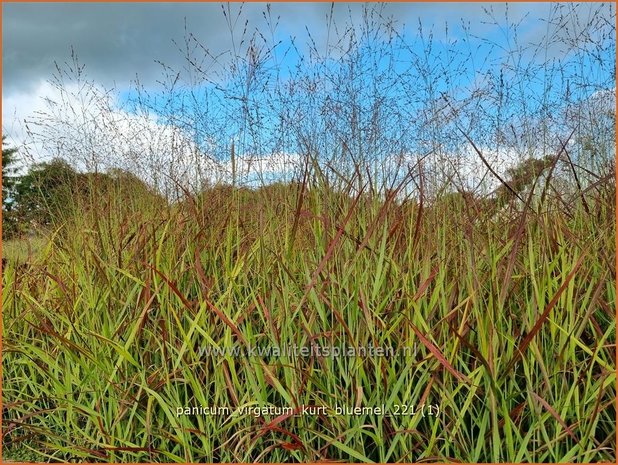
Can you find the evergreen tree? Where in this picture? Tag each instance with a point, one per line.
(9, 221)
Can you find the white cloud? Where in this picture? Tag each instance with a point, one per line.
(19, 106)
(84, 125)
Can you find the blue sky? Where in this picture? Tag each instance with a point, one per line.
(473, 50)
(118, 41)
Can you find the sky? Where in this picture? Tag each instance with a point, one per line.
(119, 42)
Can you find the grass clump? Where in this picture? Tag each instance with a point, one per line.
(501, 329)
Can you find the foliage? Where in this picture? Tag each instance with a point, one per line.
(525, 173)
(45, 191)
(508, 324)
(8, 194)
(52, 191)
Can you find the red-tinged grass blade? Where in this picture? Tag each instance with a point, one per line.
(130, 449)
(427, 390)
(441, 358)
(368, 317)
(555, 414)
(423, 287)
(292, 446)
(164, 337)
(96, 453)
(296, 444)
(229, 384)
(143, 317)
(201, 274)
(284, 417)
(339, 317)
(22, 419)
(15, 441)
(470, 347)
(517, 241)
(419, 217)
(331, 248)
(574, 171)
(64, 340)
(174, 289)
(226, 320)
(269, 319)
(537, 326)
(514, 415)
(489, 167)
(58, 281)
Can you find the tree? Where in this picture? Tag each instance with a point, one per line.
(522, 177)
(52, 191)
(44, 192)
(9, 222)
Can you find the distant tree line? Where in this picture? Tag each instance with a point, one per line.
(50, 191)
(46, 193)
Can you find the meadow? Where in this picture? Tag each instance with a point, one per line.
(511, 318)
(388, 243)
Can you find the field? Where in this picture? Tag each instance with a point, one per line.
(309, 233)
(508, 321)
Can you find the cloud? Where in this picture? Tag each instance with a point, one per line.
(259, 169)
(84, 125)
(19, 105)
(118, 40)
